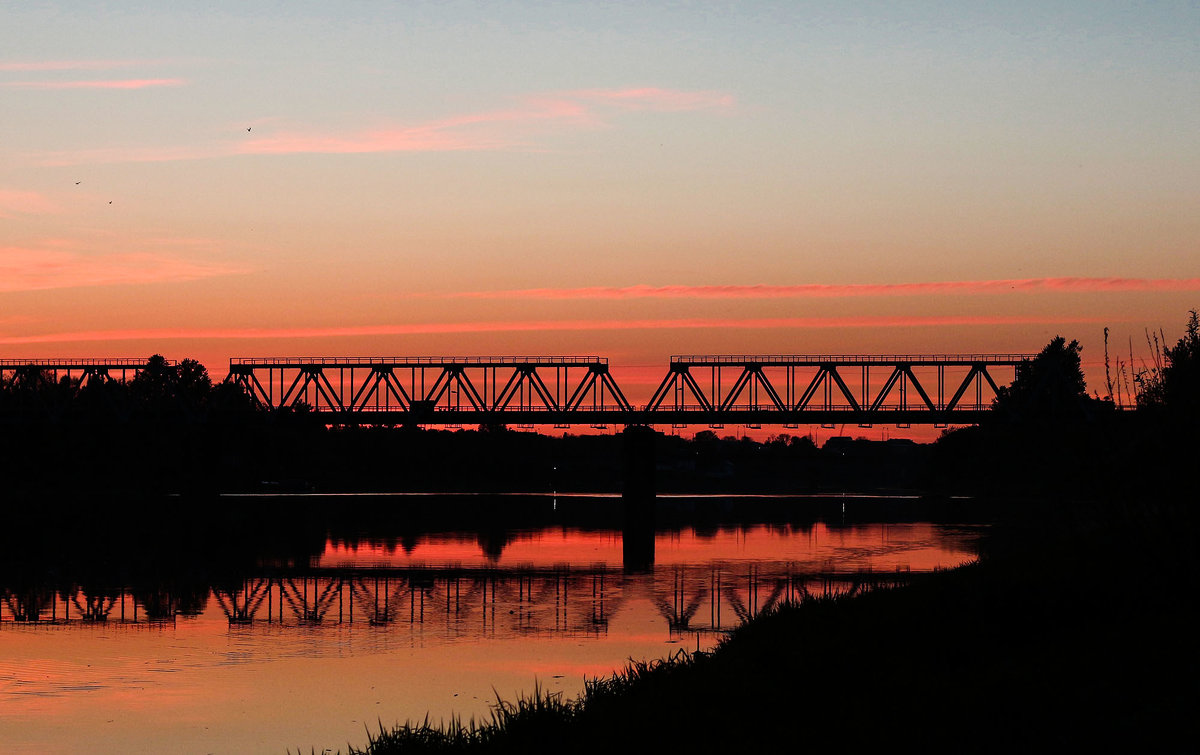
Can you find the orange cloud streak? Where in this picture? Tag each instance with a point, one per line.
(111, 84)
(816, 290)
(536, 325)
(25, 269)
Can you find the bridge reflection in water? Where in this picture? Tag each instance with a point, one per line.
(303, 628)
(462, 601)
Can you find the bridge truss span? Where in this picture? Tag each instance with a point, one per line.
(777, 389)
(901, 388)
(436, 389)
(97, 370)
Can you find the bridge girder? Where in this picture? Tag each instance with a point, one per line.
(416, 388)
(526, 391)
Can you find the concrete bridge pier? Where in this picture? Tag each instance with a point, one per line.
(637, 531)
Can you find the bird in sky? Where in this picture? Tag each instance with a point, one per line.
(78, 182)
(110, 201)
(249, 128)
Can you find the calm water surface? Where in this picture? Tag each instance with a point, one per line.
(312, 650)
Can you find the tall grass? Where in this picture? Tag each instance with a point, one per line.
(540, 716)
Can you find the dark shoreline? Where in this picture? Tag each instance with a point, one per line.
(1041, 645)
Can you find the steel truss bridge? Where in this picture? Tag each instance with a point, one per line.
(752, 390)
(470, 601)
(30, 371)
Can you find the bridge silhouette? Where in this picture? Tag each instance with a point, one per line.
(753, 390)
(564, 391)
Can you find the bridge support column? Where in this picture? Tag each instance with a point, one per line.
(637, 532)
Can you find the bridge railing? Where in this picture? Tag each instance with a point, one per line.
(560, 361)
(441, 409)
(62, 364)
(873, 359)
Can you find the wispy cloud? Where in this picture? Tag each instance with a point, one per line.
(107, 84)
(821, 291)
(514, 127)
(15, 202)
(494, 129)
(772, 323)
(37, 269)
(75, 65)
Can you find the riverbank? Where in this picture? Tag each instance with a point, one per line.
(1072, 632)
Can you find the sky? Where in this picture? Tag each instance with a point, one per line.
(630, 180)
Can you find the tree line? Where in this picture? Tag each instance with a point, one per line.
(171, 426)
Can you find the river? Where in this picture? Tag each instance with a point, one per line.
(259, 634)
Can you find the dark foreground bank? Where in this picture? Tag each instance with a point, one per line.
(1073, 632)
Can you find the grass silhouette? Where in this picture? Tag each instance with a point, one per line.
(1071, 632)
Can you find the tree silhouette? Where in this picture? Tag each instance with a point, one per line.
(1049, 386)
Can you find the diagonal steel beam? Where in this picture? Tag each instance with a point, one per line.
(368, 389)
(540, 387)
(440, 386)
(690, 381)
(738, 386)
(465, 384)
(606, 378)
(983, 371)
(765, 383)
(396, 389)
(912, 379)
(966, 383)
(286, 398)
(332, 396)
(660, 393)
(886, 389)
(842, 385)
(812, 388)
(505, 397)
(581, 391)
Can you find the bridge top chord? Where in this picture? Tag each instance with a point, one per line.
(80, 364)
(770, 360)
(460, 361)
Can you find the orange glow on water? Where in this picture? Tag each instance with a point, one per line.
(554, 607)
(880, 547)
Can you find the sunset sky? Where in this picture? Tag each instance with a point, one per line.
(631, 180)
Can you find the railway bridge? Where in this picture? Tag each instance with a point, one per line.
(564, 391)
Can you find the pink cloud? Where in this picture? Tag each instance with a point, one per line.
(110, 84)
(819, 291)
(768, 323)
(416, 139)
(73, 65)
(30, 269)
(487, 130)
(13, 202)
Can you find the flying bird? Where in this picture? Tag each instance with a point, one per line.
(78, 182)
(110, 201)
(249, 128)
